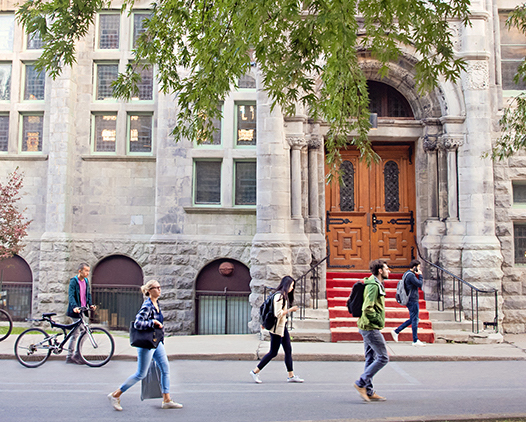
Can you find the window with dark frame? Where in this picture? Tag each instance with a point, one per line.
(245, 193)
(386, 101)
(207, 183)
(519, 192)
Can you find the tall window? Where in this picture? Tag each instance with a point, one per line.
(140, 133)
(386, 101)
(513, 51)
(5, 81)
(104, 132)
(34, 41)
(207, 189)
(32, 130)
(138, 26)
(246, 124)
(519, 239)
(391, 187)
(145, 86)
(35, 83)
(7, 29)
(4, 131)
(245, 175)
(106, 75)
(109, 26)
(347, 188)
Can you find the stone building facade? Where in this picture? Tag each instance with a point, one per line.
(104, 177)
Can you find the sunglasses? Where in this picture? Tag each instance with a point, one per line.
(158, 287)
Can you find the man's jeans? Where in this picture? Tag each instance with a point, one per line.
(413, 320)
(376, 358)
(144, 358)
(73, 351)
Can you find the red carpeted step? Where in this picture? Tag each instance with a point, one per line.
(342, 312)
(352, 334)
(391, 323)
(345, 292)
(390, 302)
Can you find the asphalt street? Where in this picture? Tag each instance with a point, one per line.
(224, 391)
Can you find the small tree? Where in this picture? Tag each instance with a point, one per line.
(13, 225)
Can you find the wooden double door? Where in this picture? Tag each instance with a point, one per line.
(371, 215)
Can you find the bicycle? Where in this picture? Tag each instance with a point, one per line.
(34, 346)
(6, 325)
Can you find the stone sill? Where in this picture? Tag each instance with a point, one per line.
(126, 158)
(219, 210)
(23, 157)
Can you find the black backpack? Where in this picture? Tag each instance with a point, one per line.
(266, 313)
(355, 301)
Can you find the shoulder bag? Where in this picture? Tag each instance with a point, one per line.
(146, 339)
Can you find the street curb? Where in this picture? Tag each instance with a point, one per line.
(508, 417)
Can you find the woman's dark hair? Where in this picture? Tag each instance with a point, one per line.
(284, 287)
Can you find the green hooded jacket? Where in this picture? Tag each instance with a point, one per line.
(373, 308)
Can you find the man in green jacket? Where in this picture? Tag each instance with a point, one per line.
(369, 325)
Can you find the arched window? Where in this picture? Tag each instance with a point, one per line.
(386, 101)
(347, 188)
(16, 280)
(116, 283)
(222, 290)
(391, 186)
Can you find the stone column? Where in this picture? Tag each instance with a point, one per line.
(297, 143)
(450, 145)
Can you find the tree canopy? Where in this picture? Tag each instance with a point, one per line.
(201, 47)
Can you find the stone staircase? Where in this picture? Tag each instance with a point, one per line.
(315, 326)
(343, 325)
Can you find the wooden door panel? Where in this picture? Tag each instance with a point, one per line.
(393, 240)
(349, 240)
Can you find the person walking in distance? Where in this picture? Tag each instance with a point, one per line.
(78, 296)
(369, 325)
(412, 282)
(149, 315)
(279, 335)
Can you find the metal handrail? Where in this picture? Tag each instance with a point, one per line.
(458, 286)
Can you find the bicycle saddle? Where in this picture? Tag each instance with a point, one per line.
(48, 314)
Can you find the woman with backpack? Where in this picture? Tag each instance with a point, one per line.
(283, 297)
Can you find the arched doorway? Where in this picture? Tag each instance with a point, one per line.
(116, 291)
(222, 290)
(372, 214)
(16, 284)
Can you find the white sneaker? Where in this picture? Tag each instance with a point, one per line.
(171, 405)
(295, 378)
(395, 335)
(255, 377)
(115, 402)
(418, 343)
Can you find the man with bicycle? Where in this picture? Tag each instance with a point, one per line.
(79, 295)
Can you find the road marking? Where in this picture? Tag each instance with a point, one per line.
(410, 379)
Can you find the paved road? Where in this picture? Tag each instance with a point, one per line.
(223, 391)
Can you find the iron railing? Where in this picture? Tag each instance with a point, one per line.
(226, 312)
(458, 286)
(301, 287)
(117, 305)
(17, 299)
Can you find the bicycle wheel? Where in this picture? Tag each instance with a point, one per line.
(96, 349)
(6, 325)
(32, 347)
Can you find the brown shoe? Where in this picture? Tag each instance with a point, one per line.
(362, 391)
(376, 397)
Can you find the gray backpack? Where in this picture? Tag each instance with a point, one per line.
(401, 293)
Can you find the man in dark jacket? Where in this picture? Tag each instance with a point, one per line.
(412, 282)
(79, 296)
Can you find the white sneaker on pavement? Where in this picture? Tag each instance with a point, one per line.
(395, 335)
(418, 343)
(171, 405)
(115, 402)
(255, 377)
(295, 378)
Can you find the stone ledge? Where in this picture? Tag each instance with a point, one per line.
(128, 158)
(219, 210)
(23, 157)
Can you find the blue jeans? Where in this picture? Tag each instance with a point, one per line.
(414, 310)
(376, 358)
(144, 358)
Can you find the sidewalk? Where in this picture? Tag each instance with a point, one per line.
(250, 347)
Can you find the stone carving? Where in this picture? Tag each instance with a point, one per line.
(430, 143)
(451, 143)
(315, 141)
(477, 75)
(296, 141)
